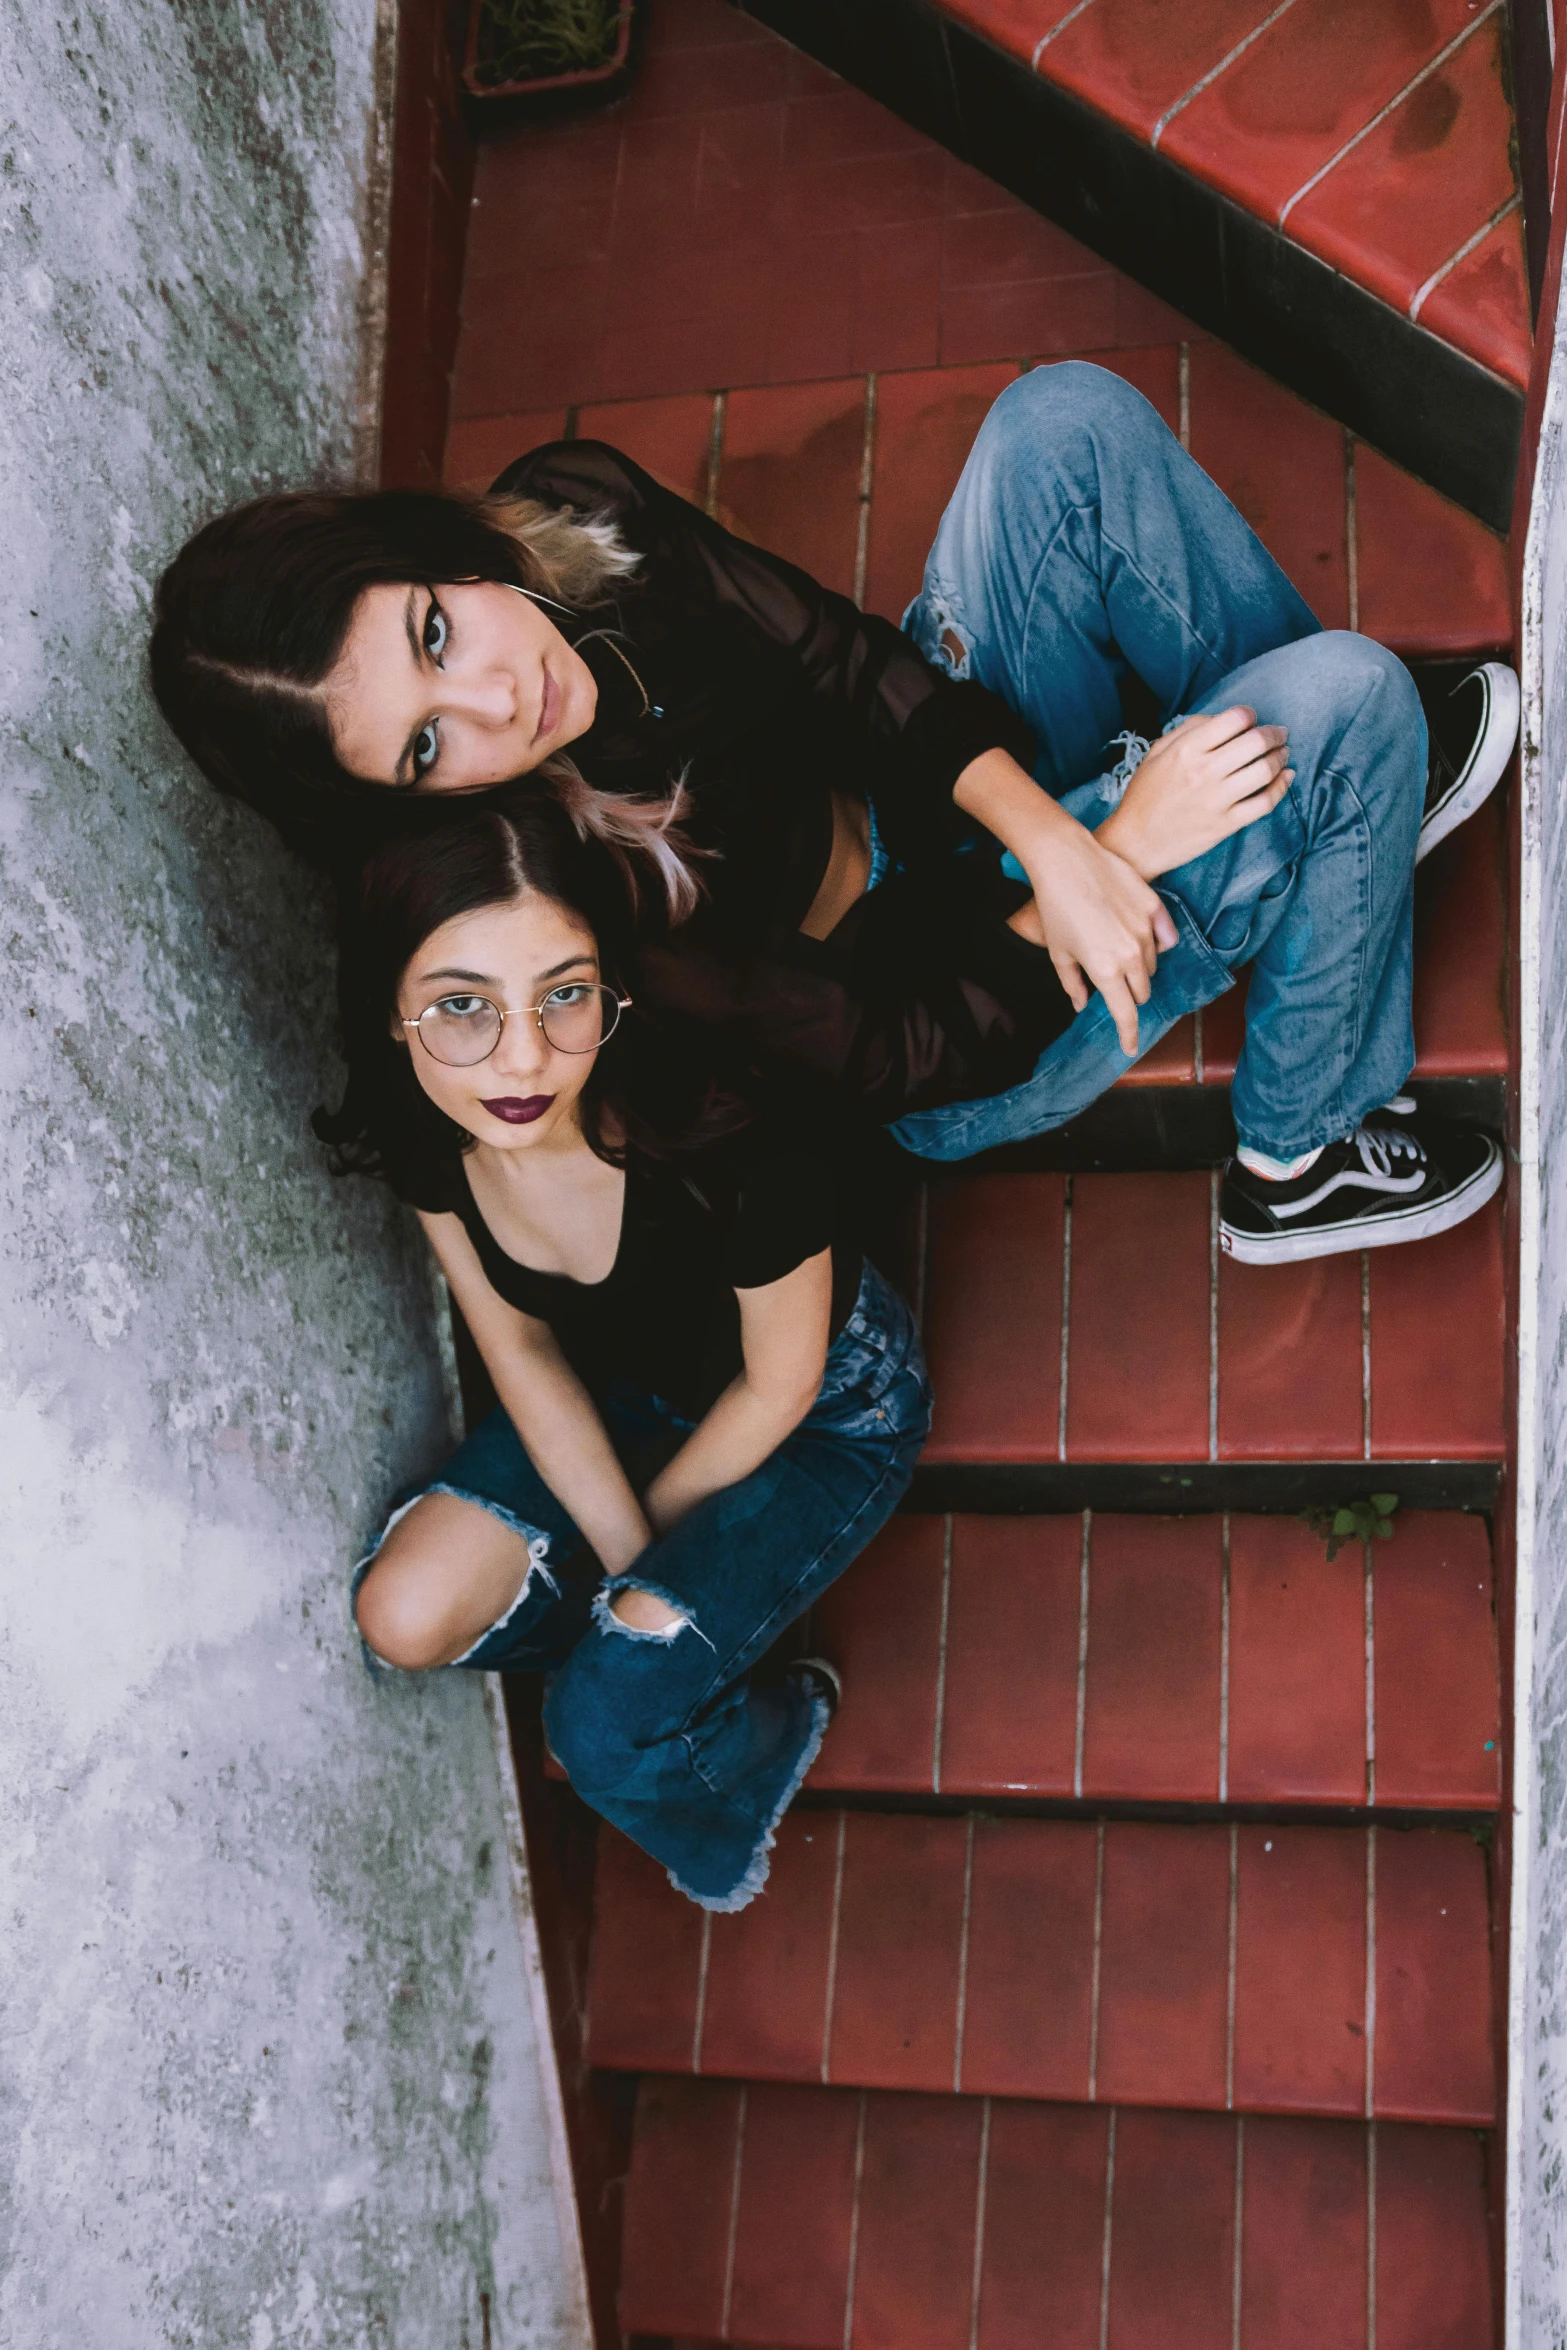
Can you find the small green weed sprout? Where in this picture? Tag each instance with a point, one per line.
(1355, 1521)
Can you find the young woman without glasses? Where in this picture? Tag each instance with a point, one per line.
(924, 887)
(709, 1401)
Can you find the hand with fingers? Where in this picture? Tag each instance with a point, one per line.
(1206, 778)
(1102, 926)
(1099, 922)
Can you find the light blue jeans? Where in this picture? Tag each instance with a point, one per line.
(1082, 540)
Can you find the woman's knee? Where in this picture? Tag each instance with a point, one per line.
(1358, 668)
(447, 1571)
(402, 1619)
(1322, 685)
(611, 1704)
(1074, 392)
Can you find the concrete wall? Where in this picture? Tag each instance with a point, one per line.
(1537, 2118)
(268, 2073)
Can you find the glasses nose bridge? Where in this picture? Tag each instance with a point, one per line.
(526, 1013)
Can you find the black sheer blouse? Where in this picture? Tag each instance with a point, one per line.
(769, 693)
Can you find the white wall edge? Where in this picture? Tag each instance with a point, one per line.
(1525, 1809)
(573, 2260)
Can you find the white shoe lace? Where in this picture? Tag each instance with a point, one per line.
(1389, 1161)
(1383, 1149)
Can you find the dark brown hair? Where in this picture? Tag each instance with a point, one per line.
(251, 617)
(647, 1092)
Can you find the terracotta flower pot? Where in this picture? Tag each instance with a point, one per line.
(496, 104)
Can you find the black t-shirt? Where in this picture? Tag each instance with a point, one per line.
(665, 1319)
(768, 693)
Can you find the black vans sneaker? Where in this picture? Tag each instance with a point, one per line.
(1472, 720)
(1400, 1176)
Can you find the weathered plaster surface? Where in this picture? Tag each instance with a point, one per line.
(1537, 2135)
(267, 2065)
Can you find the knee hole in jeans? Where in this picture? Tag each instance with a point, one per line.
(636, 1610)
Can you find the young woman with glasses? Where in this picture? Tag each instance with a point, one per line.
(930, 881)
(709, 1402)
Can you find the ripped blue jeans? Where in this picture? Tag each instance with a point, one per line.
(1082, 540)
(669, 1735)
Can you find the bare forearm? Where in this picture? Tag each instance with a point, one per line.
(736, 1436)
(997, 793)
(566, 1441)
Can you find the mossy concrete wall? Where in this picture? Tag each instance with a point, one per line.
(267, 2067)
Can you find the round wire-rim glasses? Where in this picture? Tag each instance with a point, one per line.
(462, 1030)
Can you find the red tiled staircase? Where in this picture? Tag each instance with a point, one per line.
(1331, 187)
(1377, 139)
(1124, 1981)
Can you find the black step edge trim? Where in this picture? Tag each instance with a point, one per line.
(1182, 1488)
(1426, 405)
(1135, 1129)
(985, 1803)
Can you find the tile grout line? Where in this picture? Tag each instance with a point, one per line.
(832, 1946)
(1082, 1657)
(1224, 1657)
(1371, 2236)
(1371, 1676)
(1514, 203)
(854, 2228)
(862, 526)
(1240, 2225)
(968, 1911)
(1371, 1972)
(979, 2223)
(715, 450)
(1066, 1313)
(734, 2208)
(1365, 1354)
(1351, 530)
(1093, 1996)
(1104, 2252)
(1231, 1969)
(1366, 129)
(1213, 73)
(699, 2021)
(1183, 377)
(941, 1655)
(1045, 39)
(1213, 1315)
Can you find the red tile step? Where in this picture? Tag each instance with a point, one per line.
(1254, 1968)
(1187, 1660)
(1093, 1319)
(835, 2219)
(1382, 144)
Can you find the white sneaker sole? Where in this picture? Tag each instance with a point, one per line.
(1399, 1224)
(1497, 738)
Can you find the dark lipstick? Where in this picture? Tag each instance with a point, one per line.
(517, 1110)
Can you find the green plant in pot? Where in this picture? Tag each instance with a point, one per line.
(547, 55)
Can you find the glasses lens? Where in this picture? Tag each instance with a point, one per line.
(577, 1018)
(460, 1030)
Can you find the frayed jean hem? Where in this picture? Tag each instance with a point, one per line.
(756, 1875)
